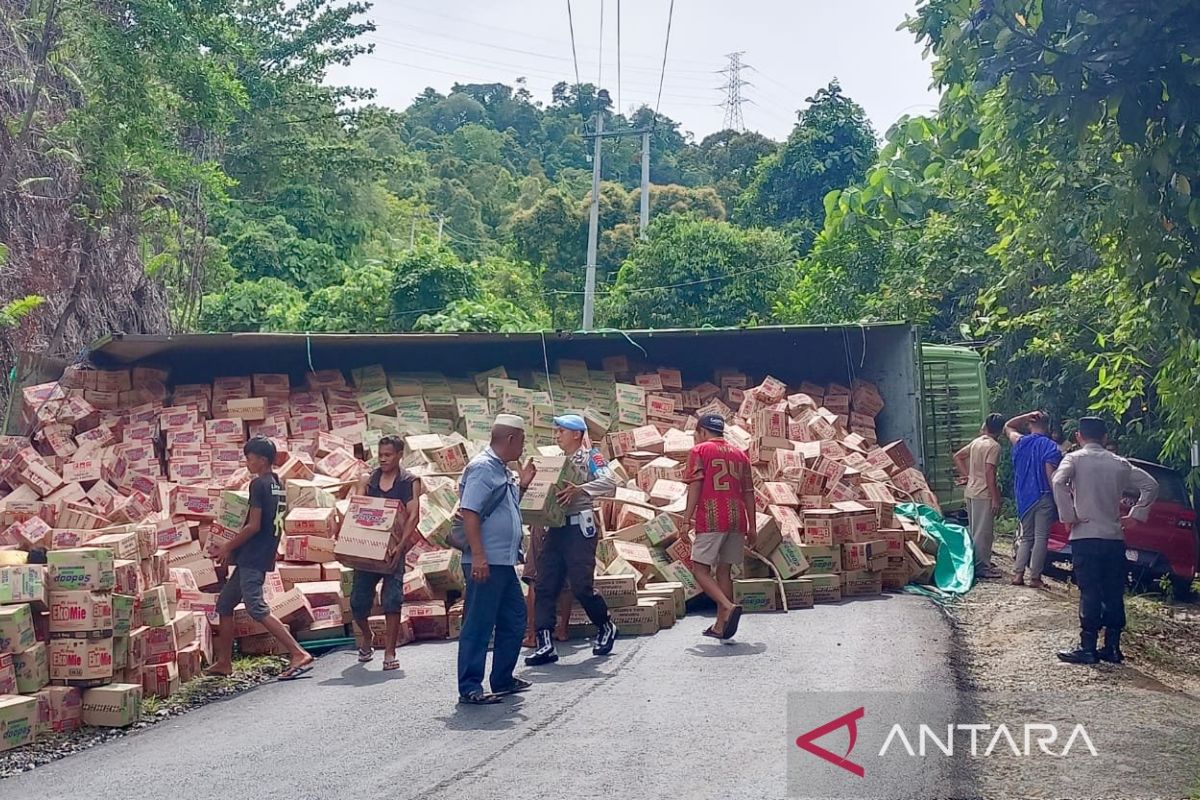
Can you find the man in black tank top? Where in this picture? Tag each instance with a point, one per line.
(395, 483)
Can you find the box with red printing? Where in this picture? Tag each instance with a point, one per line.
(308, 548)
(313, 521)
(427, 618)
(81, 659)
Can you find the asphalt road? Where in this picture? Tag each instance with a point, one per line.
(666, 716)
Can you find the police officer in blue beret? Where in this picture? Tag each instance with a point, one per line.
(568, 553)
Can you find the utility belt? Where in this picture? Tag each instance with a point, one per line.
(585, 521)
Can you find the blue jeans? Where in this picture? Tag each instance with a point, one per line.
(494, 605)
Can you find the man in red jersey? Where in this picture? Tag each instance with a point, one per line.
(720, 508)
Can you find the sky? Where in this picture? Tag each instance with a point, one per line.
(792, 47)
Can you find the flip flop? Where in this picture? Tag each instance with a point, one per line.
(391, 664)
(711, 631)
(518, 685)
(731, 624)
(291, 673)
(365, 655)
(478, 699)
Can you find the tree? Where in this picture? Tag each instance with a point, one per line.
(266, 304)
(495, 314)
(358, 303)
(830, 148)
(430, 278)
(695, 272)
(727, 160)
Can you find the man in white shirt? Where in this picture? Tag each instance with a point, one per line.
(977, 463)
(1088, 486)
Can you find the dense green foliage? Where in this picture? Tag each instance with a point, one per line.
(1044, 213)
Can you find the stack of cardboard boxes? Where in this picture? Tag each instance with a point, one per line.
(127, 482)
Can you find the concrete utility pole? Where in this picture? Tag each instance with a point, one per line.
(441, 223)
(412, 233)
(589, 283)
(645, 218)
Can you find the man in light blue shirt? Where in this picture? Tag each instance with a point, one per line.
(490, 503)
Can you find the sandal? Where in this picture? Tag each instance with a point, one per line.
(731, 625)
(712, 632)
(479, 698)
(391, 664)
(518, 685)
(365, 654)
(303, 668)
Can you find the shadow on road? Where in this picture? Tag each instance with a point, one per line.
(363, 675)
(728, 650)
(501, 716)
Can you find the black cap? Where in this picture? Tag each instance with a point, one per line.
(712, 422)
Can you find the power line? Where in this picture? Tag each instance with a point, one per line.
(663, 75)
(733, 92)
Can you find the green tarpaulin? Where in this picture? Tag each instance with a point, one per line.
(954, 572)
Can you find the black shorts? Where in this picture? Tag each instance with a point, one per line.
(245, 585)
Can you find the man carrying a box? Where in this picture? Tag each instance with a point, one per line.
(394, 482)
(490, 504)
(720, 507)
(568, 553)
(253, 552)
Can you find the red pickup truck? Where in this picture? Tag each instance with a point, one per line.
(1165, 544)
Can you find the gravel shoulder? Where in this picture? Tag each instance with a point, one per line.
(1007, 637)
(249, 672)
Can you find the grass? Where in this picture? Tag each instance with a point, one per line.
(246, 670)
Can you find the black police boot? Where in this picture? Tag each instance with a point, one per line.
(1084, 654)
(604, 639)
(1111, 652)
(544, 653)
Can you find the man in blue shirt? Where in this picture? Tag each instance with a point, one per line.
(1035, 458)
(490, 503)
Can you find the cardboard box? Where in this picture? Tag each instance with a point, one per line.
(636, 620)
(828, 527)
(617, 590)
(24, 583)
(674, 572)
(416, 586)
(81, 659)
(160, 680)
(299, 573)
(443, 570)
(822, 559)
(80, 612)
(862, 583)
(18, 721)
(124, 546)
(827, 588)
(366, 529)
(320, 593)
(799, 593)
(60, 709)
(310, 549)
(81, 568)
(428, 619)
(756, 594)
(16, 628)
(920, 564)
(312, 521)
(32, 668)
(672, 590)
(789, 559)
(8, 674)
(252, 409)
(872, 555)
(171, 533)
(118, 705)
(154, 607)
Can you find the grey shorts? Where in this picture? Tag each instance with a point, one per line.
(712, 549)
(245, 585)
